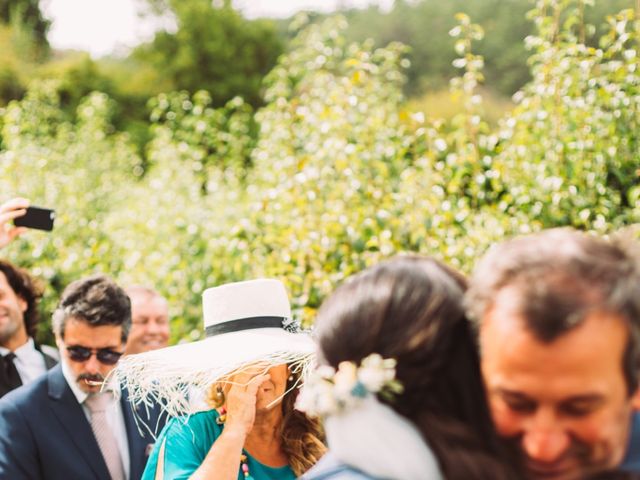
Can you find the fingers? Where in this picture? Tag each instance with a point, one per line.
(241, 402)
(14, 208)
(247, 391)
(17, 203)
(244, 376)
(255, 382)
(10, 215)
(16, 232)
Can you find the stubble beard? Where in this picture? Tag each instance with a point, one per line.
(8, 331)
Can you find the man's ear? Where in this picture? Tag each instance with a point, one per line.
(635, 399)
(22, 303)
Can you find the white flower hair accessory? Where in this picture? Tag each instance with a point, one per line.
(327, 391)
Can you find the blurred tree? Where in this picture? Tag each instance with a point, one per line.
(213, 48)
(342, 174)
(11, 85)
(78, 75)
(423, 25)
(27, 13)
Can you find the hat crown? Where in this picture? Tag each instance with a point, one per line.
(265, 297)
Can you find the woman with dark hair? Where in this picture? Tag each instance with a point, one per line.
(395, 339)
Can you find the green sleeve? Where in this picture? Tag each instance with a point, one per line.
(186, 444)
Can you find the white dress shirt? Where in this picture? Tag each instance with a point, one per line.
(29, 362)
(115, 417)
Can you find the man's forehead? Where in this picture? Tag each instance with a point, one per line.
(588, 356)
(79, 328)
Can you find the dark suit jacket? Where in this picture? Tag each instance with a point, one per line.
(49, 363)
(44, 434)
(632, 460)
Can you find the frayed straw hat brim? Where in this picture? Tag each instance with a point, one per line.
(168, 375)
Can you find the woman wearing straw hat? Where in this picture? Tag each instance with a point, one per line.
(399, 386)
(251, 364)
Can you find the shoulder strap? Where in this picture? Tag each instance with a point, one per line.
(160, 465)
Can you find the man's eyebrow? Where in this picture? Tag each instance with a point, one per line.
(582, 398)
(585, 398)
(512, 393)
(108, 347)
(508, 391)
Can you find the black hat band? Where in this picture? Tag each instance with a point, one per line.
(249, 323)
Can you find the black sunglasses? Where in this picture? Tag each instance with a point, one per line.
(104, 355)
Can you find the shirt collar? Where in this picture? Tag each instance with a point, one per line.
(26, 349)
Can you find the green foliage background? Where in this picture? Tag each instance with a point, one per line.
(333, 173)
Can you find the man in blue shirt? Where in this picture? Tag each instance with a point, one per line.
(558, 317)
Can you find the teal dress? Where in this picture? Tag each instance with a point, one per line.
(187, 443)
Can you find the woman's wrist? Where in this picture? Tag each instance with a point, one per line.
(235, 431)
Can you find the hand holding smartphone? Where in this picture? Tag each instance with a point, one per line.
(10, 210)
(23, 216)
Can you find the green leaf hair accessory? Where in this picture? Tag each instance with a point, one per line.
(328, 391)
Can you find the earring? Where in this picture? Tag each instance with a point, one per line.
(290, 378)
(219, 395)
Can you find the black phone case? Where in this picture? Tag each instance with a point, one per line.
(38, 218)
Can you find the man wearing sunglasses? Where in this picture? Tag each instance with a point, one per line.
(71, 423)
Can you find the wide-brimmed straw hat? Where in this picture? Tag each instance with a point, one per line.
(245, 323)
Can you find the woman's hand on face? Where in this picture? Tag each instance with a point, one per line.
(241, 401)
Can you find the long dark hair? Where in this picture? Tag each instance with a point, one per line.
(410, 308)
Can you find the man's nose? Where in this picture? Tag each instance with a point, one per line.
(545, 440)
(153, 326)
(92, 365)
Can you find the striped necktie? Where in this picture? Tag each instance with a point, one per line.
(97, 405)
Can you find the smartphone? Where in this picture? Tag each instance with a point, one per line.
(36, 217)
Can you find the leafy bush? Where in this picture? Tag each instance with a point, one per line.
(340, 174)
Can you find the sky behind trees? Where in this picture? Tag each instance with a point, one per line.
(101, 27)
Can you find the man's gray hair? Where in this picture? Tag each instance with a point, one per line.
(556, 278)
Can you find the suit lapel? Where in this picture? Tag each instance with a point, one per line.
(49, 361)
(69, 412)
(137, 443)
